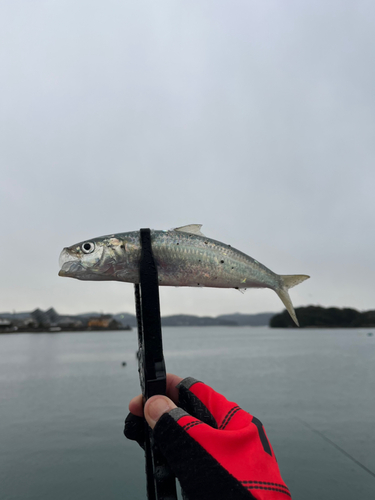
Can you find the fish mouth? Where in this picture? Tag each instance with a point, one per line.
(70, 265)
(67, 271)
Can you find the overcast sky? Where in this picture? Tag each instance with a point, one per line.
(253, 118)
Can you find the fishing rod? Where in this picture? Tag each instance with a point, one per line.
(161, 483)
(335, 445)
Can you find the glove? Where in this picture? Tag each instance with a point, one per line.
(215, 449)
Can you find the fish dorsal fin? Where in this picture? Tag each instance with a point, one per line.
(191, 228)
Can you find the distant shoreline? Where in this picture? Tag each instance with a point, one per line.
(50, 321)
(62, 330)
(48, 332)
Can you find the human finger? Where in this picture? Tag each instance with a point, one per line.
(155, 407)
(136, 404)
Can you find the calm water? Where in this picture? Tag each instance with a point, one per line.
(63, 400)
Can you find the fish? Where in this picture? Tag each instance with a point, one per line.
(183, 256)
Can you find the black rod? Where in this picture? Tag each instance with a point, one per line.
(161, 483)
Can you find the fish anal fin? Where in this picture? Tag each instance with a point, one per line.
(191, 229)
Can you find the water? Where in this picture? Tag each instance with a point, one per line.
(63, 400)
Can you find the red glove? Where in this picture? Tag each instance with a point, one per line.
(216, 450)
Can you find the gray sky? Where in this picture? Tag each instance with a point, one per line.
(253, 118)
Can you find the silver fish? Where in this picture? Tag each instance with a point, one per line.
(184, 257)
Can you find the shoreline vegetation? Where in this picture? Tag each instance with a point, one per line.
(321, 317)
(39, 321)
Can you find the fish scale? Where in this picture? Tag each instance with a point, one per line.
(205, 256)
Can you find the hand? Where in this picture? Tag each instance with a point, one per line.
(216, 450)
(156, 405)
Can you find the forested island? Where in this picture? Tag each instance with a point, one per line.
(321, 317)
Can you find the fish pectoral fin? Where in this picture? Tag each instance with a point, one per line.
(191, 229)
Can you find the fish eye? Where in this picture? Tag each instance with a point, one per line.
(88, 247)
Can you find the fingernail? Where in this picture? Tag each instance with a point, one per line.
(155, 408)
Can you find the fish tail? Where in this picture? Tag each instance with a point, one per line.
(289, 281)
